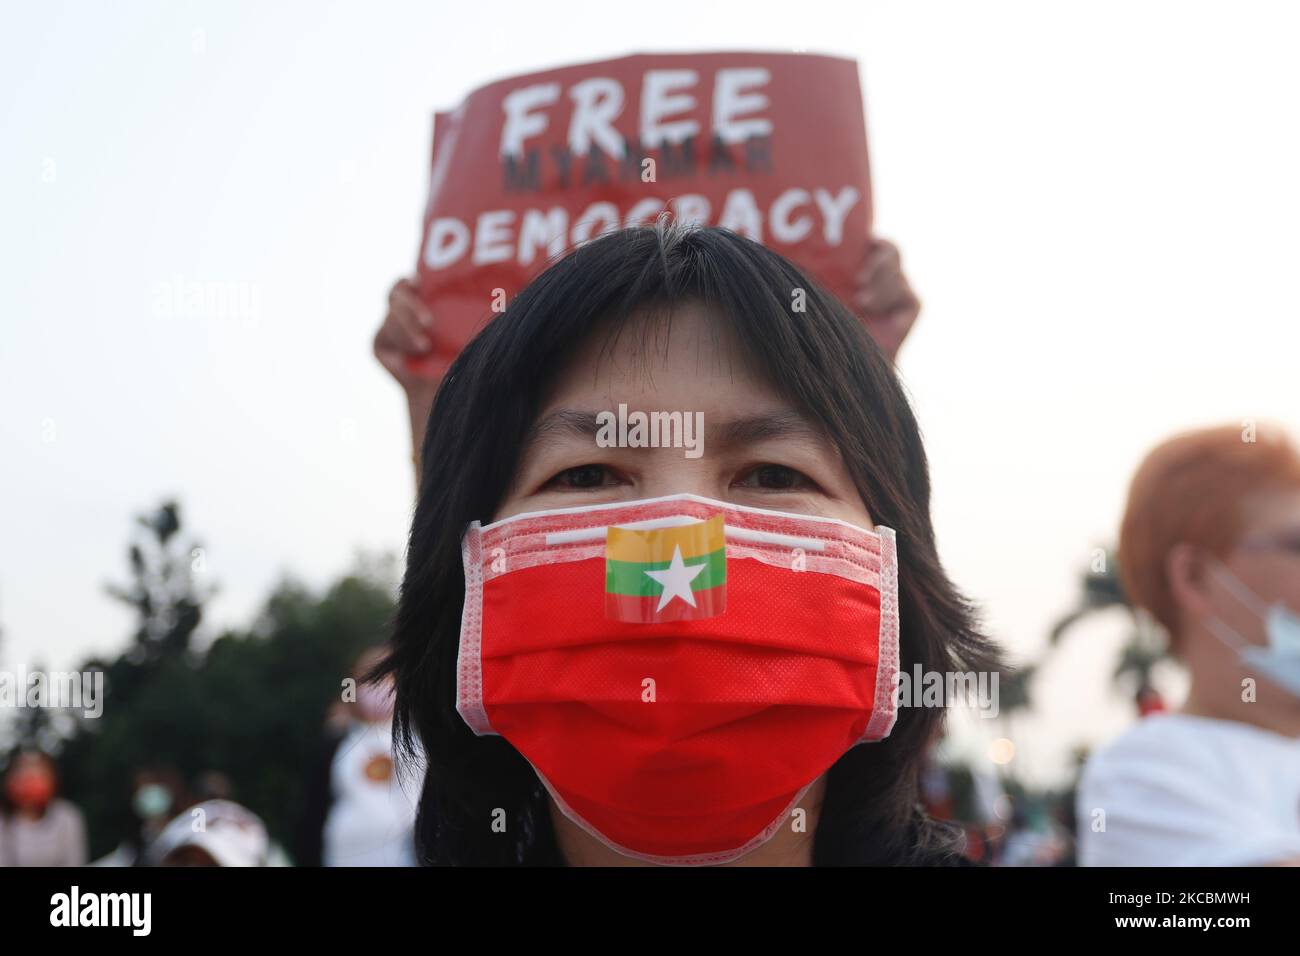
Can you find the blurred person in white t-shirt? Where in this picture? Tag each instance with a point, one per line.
(1210, 546)
(371, 819)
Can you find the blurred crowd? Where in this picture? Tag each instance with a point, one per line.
(356, 810)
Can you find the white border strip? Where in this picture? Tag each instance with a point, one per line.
(675, 521)
(884, 709)
(710, 502)
(469, 657)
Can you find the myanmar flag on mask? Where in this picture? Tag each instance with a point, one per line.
(666, 574)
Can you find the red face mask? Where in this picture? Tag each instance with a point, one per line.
(30, 788)
(679, 671)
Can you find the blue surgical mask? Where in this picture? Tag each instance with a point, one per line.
(152, 801)
(1279, 660)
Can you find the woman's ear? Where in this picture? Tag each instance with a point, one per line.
(1189, 582)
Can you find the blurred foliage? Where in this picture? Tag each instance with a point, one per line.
(1142, 651)
(250, 705)
(1100, 590)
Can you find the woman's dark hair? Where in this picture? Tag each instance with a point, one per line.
(820, 359)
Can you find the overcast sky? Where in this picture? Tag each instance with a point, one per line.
(1097, 203)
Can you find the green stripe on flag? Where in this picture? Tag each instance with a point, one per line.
(630, 578)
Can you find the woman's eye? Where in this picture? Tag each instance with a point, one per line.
(582, 476)
(776, 478)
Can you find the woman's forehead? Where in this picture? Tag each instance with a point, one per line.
(687, 353)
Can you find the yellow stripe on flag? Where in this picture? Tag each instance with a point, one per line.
(695, 540)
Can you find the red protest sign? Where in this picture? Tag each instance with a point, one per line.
(772, 145)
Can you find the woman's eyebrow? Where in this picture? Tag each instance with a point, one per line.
(562, 423)
(764, 427)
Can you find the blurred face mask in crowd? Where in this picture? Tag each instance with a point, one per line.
(679, 670)
(151, 801)
(30, 787)
(1279, 659)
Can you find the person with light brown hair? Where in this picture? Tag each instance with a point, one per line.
(1210, 547)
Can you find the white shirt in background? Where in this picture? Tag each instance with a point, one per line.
(57, 839)
(372, 818)
(1178, 790)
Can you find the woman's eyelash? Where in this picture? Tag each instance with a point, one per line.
(775, 477)
(580, 476)
(767, 476)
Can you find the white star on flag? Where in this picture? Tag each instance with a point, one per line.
(676, 579)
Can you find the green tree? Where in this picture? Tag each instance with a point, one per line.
(250, 704)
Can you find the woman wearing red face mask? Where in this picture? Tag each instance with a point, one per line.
(37, 828)
(625, 646)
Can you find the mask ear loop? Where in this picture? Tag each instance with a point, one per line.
(1243, 594)
(1239, 590)
(1226, 634)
